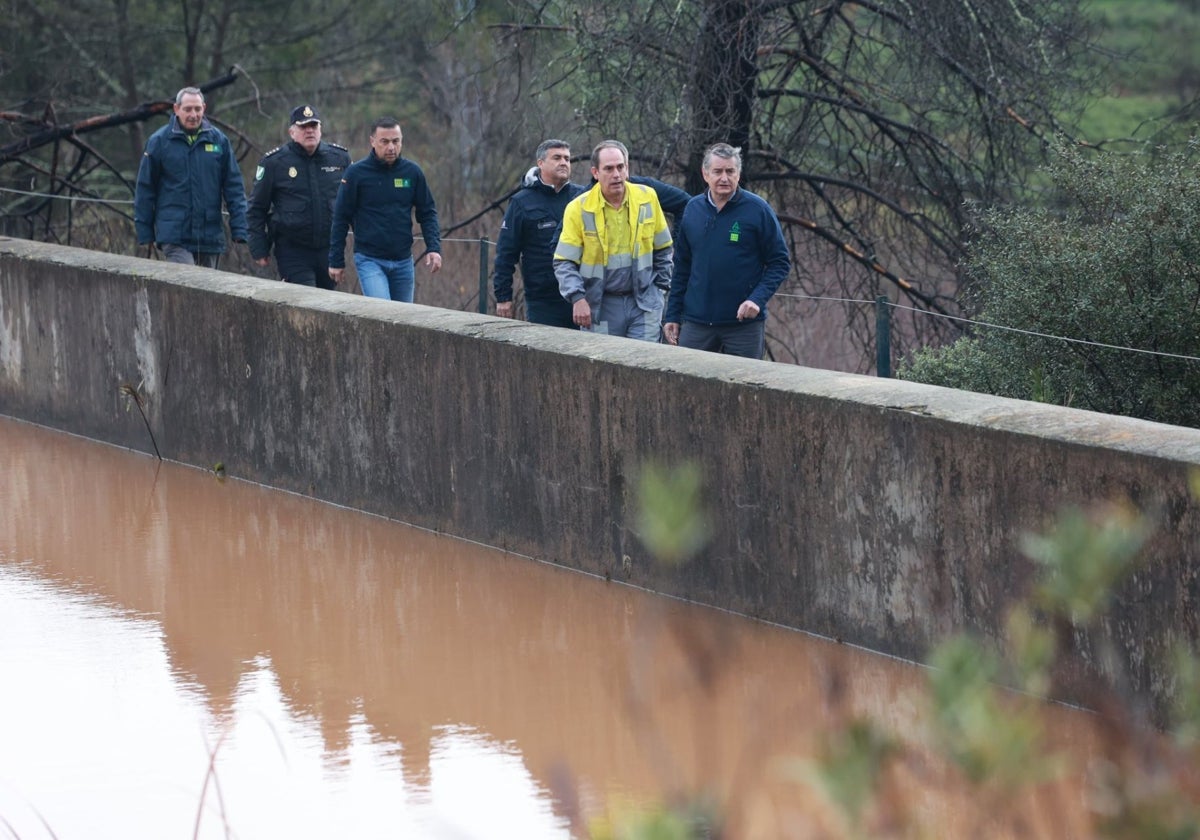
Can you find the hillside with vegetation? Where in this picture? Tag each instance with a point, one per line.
(1084, 293)
(1151, 71)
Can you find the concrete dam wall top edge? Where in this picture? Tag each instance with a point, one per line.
(931, 402)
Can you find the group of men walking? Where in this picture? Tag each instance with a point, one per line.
(611, 258)
(601, 259)
(306, 197)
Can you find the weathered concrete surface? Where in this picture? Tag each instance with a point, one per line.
(881, 512)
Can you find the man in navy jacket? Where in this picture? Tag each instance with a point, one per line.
(378, 197)
(730, 258)
(187, 168)
(529, 232)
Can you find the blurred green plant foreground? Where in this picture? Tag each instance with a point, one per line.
(985, 711)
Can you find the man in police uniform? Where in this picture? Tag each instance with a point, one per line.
(291, 204)
(528, 235)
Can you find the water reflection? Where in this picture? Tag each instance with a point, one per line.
(352, 677)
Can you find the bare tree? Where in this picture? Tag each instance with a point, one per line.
(60, 81)
(871, 126)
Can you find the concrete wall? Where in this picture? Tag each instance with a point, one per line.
(880, 512)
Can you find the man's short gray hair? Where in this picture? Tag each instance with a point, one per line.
(609, 144)
(188, 91)
(723, 150)
(545, 146)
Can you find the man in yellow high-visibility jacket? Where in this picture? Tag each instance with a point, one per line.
(613, 258)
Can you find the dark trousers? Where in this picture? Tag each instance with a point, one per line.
(302, 265)
(745, 339)
(552, 313)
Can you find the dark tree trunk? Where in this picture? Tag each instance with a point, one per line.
(722, 92)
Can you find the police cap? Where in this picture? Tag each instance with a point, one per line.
(305, 114)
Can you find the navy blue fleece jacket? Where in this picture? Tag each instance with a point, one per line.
(724, 258)
(378, 201)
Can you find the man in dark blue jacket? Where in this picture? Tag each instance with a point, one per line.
(378, 197)
(291, 203)
(529, 232)
(187, 168)
(730, 258)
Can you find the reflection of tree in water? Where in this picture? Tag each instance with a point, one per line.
(600, 690)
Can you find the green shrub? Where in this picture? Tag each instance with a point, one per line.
(1112, 259)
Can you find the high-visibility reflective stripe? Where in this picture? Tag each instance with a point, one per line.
(564, 251)
(640, 262)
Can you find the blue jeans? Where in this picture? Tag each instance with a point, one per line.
(387, 279)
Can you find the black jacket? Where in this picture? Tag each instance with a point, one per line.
(530, 231)
(293, 194)
(670, 197)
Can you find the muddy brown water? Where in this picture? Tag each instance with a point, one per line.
(182, 654)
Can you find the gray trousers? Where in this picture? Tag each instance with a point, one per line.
(179, 254)
(620, 315)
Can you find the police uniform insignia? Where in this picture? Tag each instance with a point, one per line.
(259, 173)
(308, 112)
(291, 172)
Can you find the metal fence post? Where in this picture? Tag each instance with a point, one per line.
(883, 337)
(483, 275)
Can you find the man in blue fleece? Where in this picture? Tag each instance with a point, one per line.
(730, 258)
(378, 198)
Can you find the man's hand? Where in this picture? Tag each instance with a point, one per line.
(505, 309)
(335, 274)
(671, 333)
(581, 313)
(265, 261)
(748, 311)
(433, 261)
